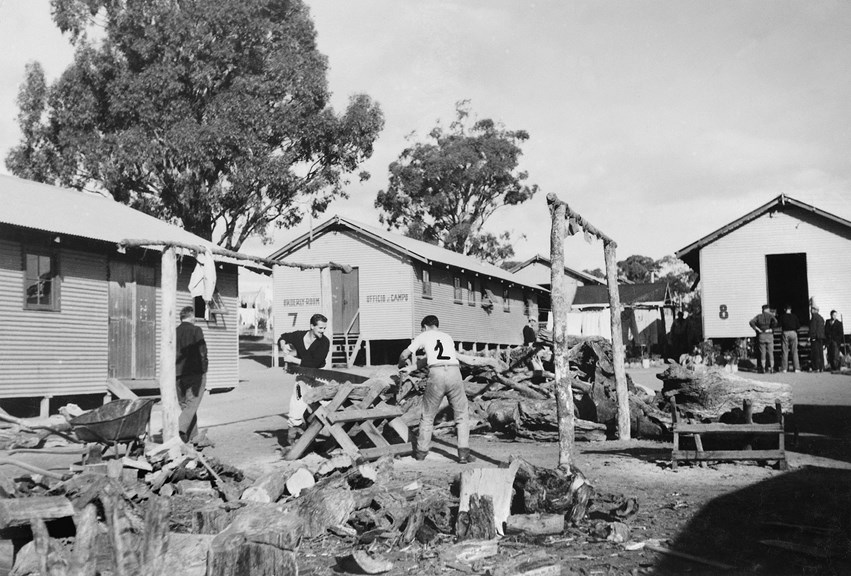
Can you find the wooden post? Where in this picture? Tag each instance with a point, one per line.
(168, 326)
(617, 339)
(564, 396)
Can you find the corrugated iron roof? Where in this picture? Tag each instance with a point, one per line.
(419, 250)
(630, 294)
(58, 210)
(567, 270)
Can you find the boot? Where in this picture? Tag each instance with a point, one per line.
(464, 456)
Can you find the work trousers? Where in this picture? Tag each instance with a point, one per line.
(190, 390)
(765, 341)
(444, 380)
(817, 354)
(788, 342)
(833, 354)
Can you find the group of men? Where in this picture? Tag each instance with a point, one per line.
(821, 334)
(309, 349)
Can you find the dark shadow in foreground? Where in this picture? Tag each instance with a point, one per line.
(808, 508)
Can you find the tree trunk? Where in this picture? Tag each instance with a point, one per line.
(617, 341)
(168, 353)
(564, 397)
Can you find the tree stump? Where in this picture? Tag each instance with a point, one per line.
(477, 523)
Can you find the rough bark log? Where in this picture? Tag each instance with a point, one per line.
(496, 483)
(553, 491)
(618, 352)
(477, 522)
(708, 394)
(268, 488)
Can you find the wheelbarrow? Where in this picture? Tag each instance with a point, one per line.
(118, 422)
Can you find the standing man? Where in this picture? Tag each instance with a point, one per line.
(309, 349)
(764, 325)
(530, 332)
(444, 379)
(679, 337)
(834, 333)
(789, 324)
(816, 341)
(191, 370)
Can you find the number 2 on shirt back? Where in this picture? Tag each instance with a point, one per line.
(439, 349)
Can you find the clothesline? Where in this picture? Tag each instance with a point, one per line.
(136, 243)
(575, 221)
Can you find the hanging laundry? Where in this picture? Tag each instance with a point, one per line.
(203, 279)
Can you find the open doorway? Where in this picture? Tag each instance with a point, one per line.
(786, 275)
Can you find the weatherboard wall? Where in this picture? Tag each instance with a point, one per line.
(384, 290)
(733, 269)
(466, 320)
(53, 352)
(66, 351)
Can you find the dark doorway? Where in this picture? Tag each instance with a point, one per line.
(345, 302)
(787, 284)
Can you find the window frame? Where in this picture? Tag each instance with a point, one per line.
(426, 283)
(458, 290)
(506, 299)
(471, 291)
(55, 279)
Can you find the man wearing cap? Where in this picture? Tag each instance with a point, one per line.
(444, 379)
(816, 340)
(764, 324)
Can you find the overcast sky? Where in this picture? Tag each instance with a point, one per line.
(657, 121)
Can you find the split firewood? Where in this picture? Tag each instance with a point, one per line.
(268, 488)
(535, 524)
(477, 521)
(299, 481)
(495, 483)
(19, 511)
(470, 551)
(187, 554)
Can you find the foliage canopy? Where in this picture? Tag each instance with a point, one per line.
(443, 190)
(210, 113)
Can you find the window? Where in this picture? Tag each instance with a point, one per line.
(458, 296)
(41, 280)
(506, 300)
(527, 305)
(205, 310)
(471, 292)
(426, 283)
(200, 308)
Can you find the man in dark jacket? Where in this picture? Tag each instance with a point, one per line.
(816, 340)
(191, 370)
(764, 324)
(835, 334)
(309, 349)
(789, 324)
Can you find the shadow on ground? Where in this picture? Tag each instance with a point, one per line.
(730, 529)
(644, 453)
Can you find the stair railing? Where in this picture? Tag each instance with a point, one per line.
(350, 358)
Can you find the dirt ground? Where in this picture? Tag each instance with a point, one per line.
(720, 512)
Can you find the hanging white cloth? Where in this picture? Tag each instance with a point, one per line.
(203, 279)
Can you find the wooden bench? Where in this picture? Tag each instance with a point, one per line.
(717, 428)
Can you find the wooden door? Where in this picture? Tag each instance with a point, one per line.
(345, 301)
(132, 321)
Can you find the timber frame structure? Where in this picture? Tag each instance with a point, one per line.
(168, 314)
(567, 222)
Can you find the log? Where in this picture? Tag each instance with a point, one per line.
(618, 353)
(187, 554)
(268, 488)
(477, 521)
(496, 483)
(535, 524)
(711, 393)
(19, 511)
(551, 490)
(299, 481)
(470, 551)
(523, 389)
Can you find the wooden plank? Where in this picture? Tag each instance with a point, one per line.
(391, 450)
(374, 434)
(337, 432)
(352, 415)
(717, 428)
(729, 455)
(316, 425)
(19, 511)
(120, 390)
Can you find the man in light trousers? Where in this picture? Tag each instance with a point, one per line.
(444, 379)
